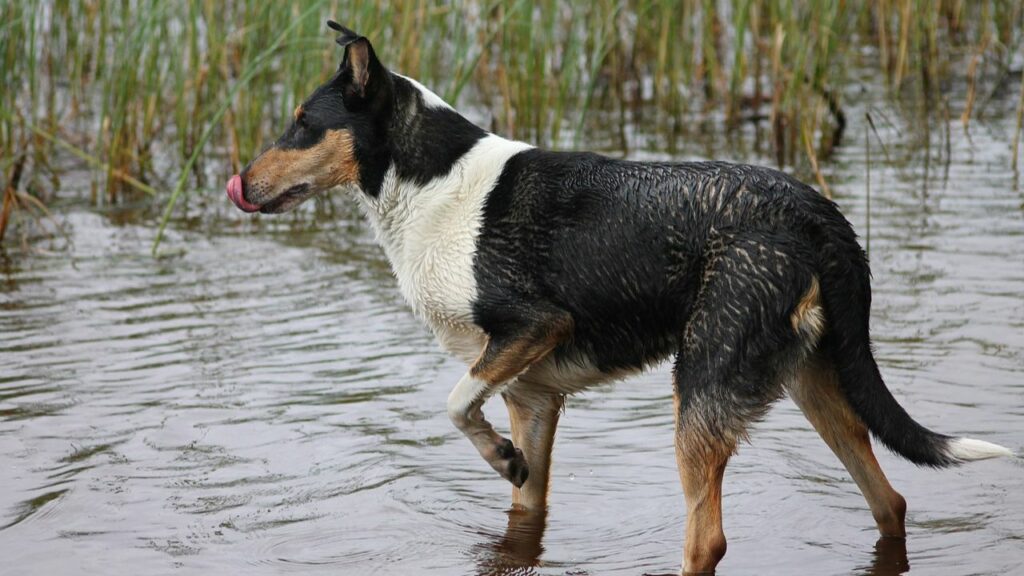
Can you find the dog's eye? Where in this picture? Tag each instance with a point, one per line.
(301, 121)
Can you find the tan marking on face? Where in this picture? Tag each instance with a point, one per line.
(329, 163)
(808, 315)
(297, 112)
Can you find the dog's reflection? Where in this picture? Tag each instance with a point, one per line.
(517, 551)
(890, 558)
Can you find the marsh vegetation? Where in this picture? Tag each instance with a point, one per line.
(259, 400)
(164, 98)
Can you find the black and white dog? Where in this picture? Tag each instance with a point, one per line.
(547, 272)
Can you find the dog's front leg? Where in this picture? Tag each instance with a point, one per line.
(533, 416)
(465, 410)
(503, 359)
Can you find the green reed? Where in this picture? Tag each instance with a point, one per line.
(167, 96)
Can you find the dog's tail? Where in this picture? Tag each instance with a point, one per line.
(846, 291)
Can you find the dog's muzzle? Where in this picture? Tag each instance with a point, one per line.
(236, 192)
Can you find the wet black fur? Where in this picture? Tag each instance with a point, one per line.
(704, 260)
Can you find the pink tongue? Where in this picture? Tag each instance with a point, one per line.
(235, 194)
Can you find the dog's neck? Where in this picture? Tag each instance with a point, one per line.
(429, 206)
(435, 157)
(403, 204)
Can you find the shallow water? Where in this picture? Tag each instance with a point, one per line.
(263, 403)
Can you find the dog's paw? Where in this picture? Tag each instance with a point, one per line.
(511, 463)
(518, 471)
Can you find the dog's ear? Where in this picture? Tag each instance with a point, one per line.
(362, 75)
(346, 37)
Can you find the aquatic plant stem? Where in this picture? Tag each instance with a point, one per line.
(95, 162)
(247, 75)
(867, 192)
(1020, 126)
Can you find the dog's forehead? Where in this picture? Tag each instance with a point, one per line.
(325, 101)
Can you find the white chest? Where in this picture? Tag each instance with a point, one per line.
(429, 234)
(430, 241)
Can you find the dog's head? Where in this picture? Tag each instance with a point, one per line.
(332, 134)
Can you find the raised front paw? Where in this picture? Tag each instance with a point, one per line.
(510, 463)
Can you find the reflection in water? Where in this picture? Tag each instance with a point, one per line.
(890, 558)
(515, 552)
(32, 506)
(263, 403)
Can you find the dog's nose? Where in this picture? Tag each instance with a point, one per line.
(236, 194)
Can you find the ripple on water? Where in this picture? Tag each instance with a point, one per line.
(263, 403)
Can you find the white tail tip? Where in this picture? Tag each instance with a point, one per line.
(969, 449)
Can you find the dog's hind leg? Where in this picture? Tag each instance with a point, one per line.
(714, 404)
(533, 415)
(504, 358)
(816, 391)
(737, 344)
(701, 457)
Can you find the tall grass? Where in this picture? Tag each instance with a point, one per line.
(149, 93)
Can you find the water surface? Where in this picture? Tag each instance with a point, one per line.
(261, 401)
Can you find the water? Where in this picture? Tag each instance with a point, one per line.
(261, 402)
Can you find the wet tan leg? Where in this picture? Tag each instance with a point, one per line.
(518, 549)
(534, 417)
(503, 359)
(701, 458)
(816, 391)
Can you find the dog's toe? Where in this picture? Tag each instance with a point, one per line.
(507, 450)
(518, 471)
(510, 463)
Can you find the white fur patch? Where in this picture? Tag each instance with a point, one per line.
(968, 449)
(569, 377)
(429, 234)
(429, 98)
(462, 399)
(464, 342)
